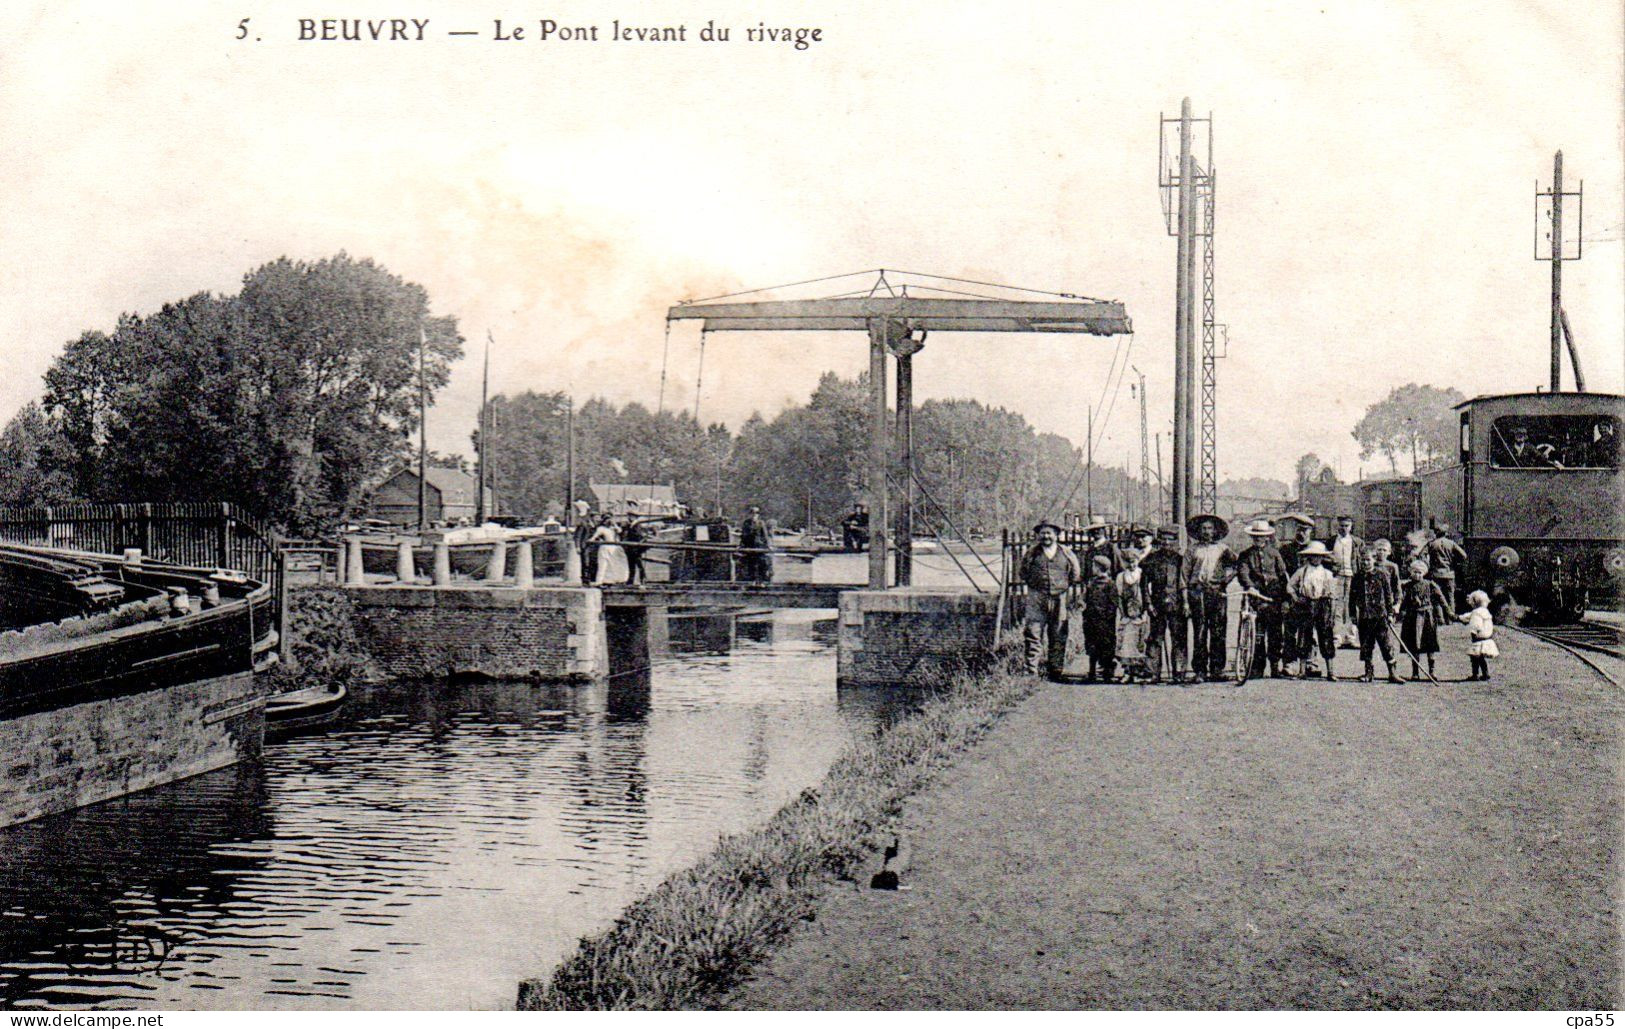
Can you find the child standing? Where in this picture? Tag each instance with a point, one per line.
(1481, 627)
(1421, 609)
(1371, 604)
(1100, 619)
(1133, 618)
(1312, 587)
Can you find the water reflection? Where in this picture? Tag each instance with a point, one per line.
(443, 842)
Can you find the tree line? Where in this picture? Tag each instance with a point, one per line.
(296, 396)
(289, 398)
(977, 467)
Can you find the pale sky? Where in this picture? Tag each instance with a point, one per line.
(1376, 165)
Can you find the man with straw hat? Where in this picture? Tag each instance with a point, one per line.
(1049, 571)
(1262, 574)
(1100, 544)
(1294, 530)
(1212, 566)
(1314, 586)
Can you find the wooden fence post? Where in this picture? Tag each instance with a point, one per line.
(222, 538)
(279, 563)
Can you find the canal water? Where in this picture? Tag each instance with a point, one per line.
(439, 845)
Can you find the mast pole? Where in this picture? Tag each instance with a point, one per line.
(423, 431)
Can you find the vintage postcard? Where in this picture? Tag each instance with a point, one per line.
(886, 506)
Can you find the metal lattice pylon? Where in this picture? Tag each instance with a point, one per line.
(1207, 499)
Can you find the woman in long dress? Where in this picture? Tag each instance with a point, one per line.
(611, 559)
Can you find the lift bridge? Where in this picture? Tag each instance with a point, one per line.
(896, 311)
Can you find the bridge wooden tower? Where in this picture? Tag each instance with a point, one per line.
(896, 318)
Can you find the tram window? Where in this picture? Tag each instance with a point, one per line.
(1555, 441)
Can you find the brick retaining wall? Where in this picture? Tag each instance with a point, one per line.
(911, 637)
(551, 633)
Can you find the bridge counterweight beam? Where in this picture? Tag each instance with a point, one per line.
(905, 454)
(879, 513)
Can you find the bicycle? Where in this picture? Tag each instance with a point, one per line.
(1247, 634)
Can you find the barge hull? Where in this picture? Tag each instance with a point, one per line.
(67, 757)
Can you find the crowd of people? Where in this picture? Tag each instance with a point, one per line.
(606, 540)
(1152, 611)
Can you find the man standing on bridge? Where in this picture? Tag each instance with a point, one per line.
(756, 563)
(1050, 572)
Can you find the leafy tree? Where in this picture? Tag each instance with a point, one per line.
(34, 460)
(527, 452)
(529, 446)
(1414, 420)
(1308, 466)
(290, 398)
(983, 467)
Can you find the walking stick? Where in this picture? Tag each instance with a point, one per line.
(1393, 627)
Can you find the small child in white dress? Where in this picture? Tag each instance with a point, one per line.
(1481, 629)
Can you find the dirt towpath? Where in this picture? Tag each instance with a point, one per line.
(1281, 845)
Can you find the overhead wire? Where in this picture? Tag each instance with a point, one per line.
(1124, 345)
(1105, 421)
(881, 280)
(665, 359)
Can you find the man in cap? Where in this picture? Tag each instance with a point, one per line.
(1263, 575)
(1050, 572)
(1348, 555)
(1165, 571)
(1212, 566)
(756, 561)
(1444, 556)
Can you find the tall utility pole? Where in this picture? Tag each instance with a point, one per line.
(1181, 183)
(1145, 455)
(1557, 272)
(1089, 468)
(699, 378)
(570, 460)
(1560, 322)
(1208, 488)
(482, 458)
(1162, 500)
(423, 432)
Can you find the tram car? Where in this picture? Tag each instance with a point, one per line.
(1536, 500)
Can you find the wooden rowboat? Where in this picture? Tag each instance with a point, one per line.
(301, 710)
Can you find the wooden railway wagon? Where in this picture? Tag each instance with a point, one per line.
(1536, 499)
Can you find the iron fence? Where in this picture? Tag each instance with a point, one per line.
(198, 534)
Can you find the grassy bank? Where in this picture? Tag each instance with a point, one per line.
(702, 930)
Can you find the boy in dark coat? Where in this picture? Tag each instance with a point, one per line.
(1371, 603)
(1100, 620)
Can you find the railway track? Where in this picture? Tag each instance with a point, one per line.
(1580, 637)
(1593, 636)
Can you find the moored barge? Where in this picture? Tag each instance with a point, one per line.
(117, 675)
